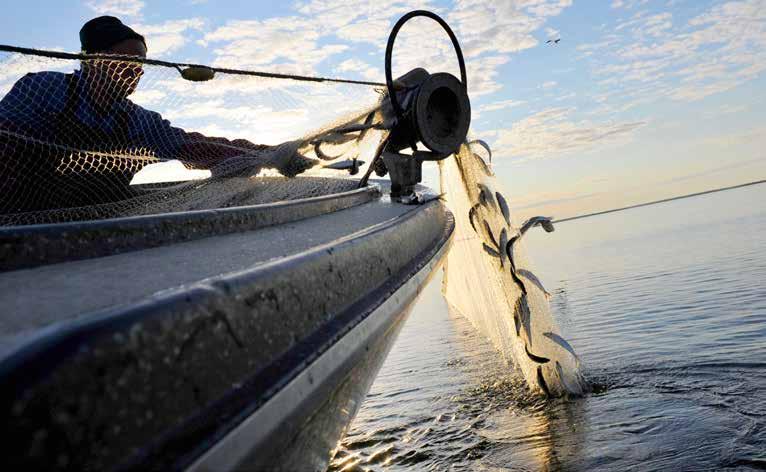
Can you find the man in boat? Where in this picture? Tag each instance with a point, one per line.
(50, 119)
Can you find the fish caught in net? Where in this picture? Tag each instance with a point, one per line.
(488, 278)
(88, 138)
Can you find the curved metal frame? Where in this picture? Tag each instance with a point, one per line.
(390, 48)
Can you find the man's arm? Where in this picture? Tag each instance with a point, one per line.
(199, 151)
(206, 151)
(239, 156)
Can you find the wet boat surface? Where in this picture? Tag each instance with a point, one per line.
(207, 353)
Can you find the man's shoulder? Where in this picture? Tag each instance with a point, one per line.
(33, 97)
(34, 93)
(48, 89)
(47, 78)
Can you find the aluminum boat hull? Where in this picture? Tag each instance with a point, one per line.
(249, 345)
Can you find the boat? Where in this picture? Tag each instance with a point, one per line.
(209, 353)
(227, 337)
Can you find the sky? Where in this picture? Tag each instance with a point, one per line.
(640, 100)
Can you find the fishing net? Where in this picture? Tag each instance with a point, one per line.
(488, 278)
(102, 138)
(93, 138)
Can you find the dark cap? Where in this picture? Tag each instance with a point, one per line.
(100, 34)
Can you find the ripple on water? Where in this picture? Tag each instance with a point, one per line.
(670, 322)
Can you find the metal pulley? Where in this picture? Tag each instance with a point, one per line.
(436, 113)
(431, 109)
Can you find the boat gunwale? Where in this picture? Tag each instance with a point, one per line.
(36, 359)
(380, 317)
(29, 246)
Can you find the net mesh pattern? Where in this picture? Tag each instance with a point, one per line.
(489, 280)
(102, 138)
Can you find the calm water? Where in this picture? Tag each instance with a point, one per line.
(667, 307)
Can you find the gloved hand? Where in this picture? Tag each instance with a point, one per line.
(284, 157)
(298, 164)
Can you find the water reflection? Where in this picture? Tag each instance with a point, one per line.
(470, 408)
(670, 323)
(520, 430)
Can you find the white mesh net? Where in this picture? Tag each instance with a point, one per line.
(92, 139)
(488, 279)
(102, 138)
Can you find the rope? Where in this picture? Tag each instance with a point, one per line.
(176, 65)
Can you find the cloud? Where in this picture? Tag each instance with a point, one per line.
(500, 105)
(711, 53)
(501, 27)
(489, 32)
(483, 75)
(162, 38)
(550, 8)
(286, 44)
(641, 25)
(628, 4)
(322, 29)
(165, 38)
(130, 8)
(355, 67)
(552, 33)
(492, 32)
(373, 31)
(258, 123)
(262, 110)
(359, 20)
(147, 98)
(553, 132)
(315, 38)
(15, 66)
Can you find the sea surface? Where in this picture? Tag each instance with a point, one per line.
(666, 306)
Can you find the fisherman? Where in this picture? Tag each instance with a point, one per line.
(89, 110)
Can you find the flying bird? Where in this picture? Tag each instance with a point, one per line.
(555, 41)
